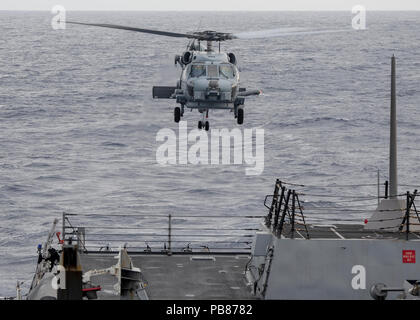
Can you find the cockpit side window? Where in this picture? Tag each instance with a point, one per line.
(198, 70)
(226, 71)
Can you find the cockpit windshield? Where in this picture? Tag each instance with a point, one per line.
(226, 71)
(212, 71)
(198, 70)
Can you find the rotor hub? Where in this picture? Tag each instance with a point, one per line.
(210, 35)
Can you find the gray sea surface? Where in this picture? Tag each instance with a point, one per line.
(78, 123)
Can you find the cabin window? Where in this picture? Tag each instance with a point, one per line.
(198, 70)
(226, 71)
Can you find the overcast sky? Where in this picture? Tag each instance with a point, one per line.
(209, 4)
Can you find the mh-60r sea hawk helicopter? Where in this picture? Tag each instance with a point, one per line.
(209, 79)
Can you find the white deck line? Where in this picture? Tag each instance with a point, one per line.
(300, 234)
(336, 232)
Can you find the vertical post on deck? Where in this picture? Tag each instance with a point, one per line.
(379, 189)
(63, 227)
(293, 213)
(278, 209)
(407, 216)
(393, 182)
(71, 288)
(274, 204)
(279, 228)
(169, 233)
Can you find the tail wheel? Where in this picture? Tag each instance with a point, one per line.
(177, 114)
(240, 118)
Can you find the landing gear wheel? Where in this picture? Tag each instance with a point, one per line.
(207, 126)
(240, 116)
(177, 114)
(200, 125)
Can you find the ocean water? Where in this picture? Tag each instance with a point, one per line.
(78, 123)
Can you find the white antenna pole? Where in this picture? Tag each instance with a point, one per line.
(393, 182)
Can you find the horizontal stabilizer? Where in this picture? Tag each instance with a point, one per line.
(249, 93)
(164, 92)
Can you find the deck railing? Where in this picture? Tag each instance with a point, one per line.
(160, 233)
(286, 210)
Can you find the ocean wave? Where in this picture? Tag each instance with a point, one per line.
(113, 144)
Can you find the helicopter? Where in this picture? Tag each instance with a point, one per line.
(209, 79)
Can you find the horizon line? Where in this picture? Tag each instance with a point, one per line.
(221, 10)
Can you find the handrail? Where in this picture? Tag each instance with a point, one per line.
(286, 206)
(193, 233)
(151, 216)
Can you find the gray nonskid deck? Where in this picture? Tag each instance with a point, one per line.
(180, 276)
(345, 231)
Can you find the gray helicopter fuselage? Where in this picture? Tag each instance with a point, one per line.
(208, 81)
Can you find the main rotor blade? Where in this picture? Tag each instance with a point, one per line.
(218, 36)
(114, 26)
(284, 32)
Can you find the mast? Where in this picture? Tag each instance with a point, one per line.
(393, 181)
(389, 210)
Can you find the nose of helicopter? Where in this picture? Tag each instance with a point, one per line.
(206, 88)
(212, 84)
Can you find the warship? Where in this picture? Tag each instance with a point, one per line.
(277, 255)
